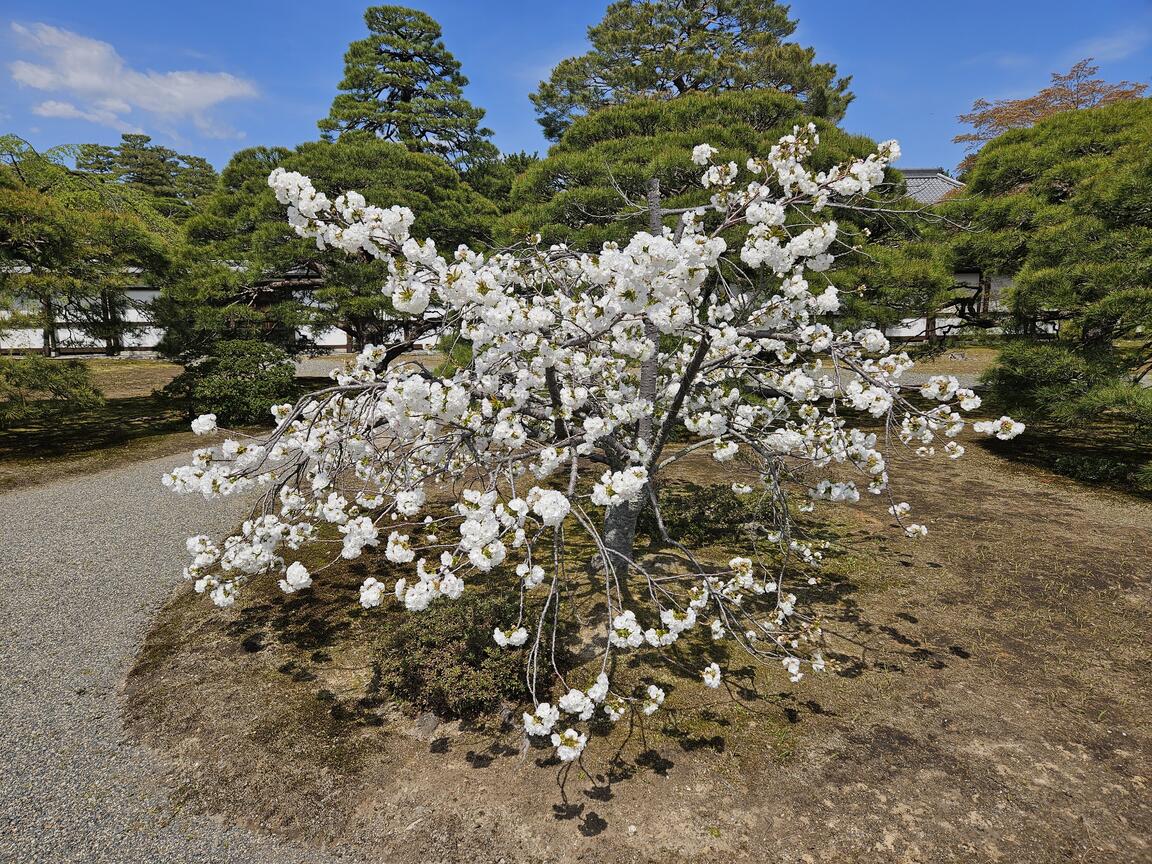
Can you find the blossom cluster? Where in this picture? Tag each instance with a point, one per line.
(580, 367)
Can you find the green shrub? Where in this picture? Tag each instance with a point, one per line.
(1142, 479)
(30, 384)
(239, 382)
(1092, 469)
(1039, 376)
(445, 661)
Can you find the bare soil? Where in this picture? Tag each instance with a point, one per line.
(967, 361)
(991, 705)
(121, 378)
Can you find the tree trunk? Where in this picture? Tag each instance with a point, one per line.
(620, 522)
(49, 328)
(112, 323)
(620, 535)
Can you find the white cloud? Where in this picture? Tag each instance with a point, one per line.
(1119, 46)
(66, 110)
(102, 88)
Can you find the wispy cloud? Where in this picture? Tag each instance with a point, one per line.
(69, 111)
(1118, 46)
(94, 83)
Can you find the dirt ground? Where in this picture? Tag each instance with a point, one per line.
(992, 705)
(968, 361)
(121, 378)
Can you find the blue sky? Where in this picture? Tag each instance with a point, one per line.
(213, 77)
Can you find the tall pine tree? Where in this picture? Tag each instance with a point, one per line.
(173, 182)
(662, 49)
(403, 85)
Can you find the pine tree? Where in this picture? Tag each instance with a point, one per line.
(403, 85)
(662, 49)
(240, 247)
(172, 181)
(1064, 208)
(70, 246)
(573, 196)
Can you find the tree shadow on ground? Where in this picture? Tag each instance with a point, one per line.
(61, 430)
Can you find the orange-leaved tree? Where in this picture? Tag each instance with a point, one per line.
(1071, 91)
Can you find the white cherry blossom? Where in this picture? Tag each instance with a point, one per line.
(589, 375)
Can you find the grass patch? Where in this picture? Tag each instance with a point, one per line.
(952, 360)
(58, 439)
(119, 379)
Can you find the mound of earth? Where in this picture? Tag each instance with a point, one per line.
(991, 706)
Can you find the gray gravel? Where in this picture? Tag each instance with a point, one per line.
(85, 563)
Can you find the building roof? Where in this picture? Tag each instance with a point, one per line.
(929, 185)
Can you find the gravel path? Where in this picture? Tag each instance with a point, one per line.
(86, 561)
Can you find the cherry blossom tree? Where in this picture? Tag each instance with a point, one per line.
(580, 368)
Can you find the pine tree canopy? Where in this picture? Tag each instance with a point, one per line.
(173, 182)
(591, 188)
(402, 85)
(664, 49)
(243, 247)
(1065, 209)
(71, 243)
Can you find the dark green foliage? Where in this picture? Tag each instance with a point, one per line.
(239, 382)
(1057, 381)
(1065, 209)
(1103, 423)
(1142, 478)
(173, 182)
(1122, 402)
(574, 195)
(403, 85)
(1036, 377)
(242, 248)
(494, 178)
(903, 275)
(445, 661)
(30, 384)
(697, 515)
(665, 49)
(1092, 469)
